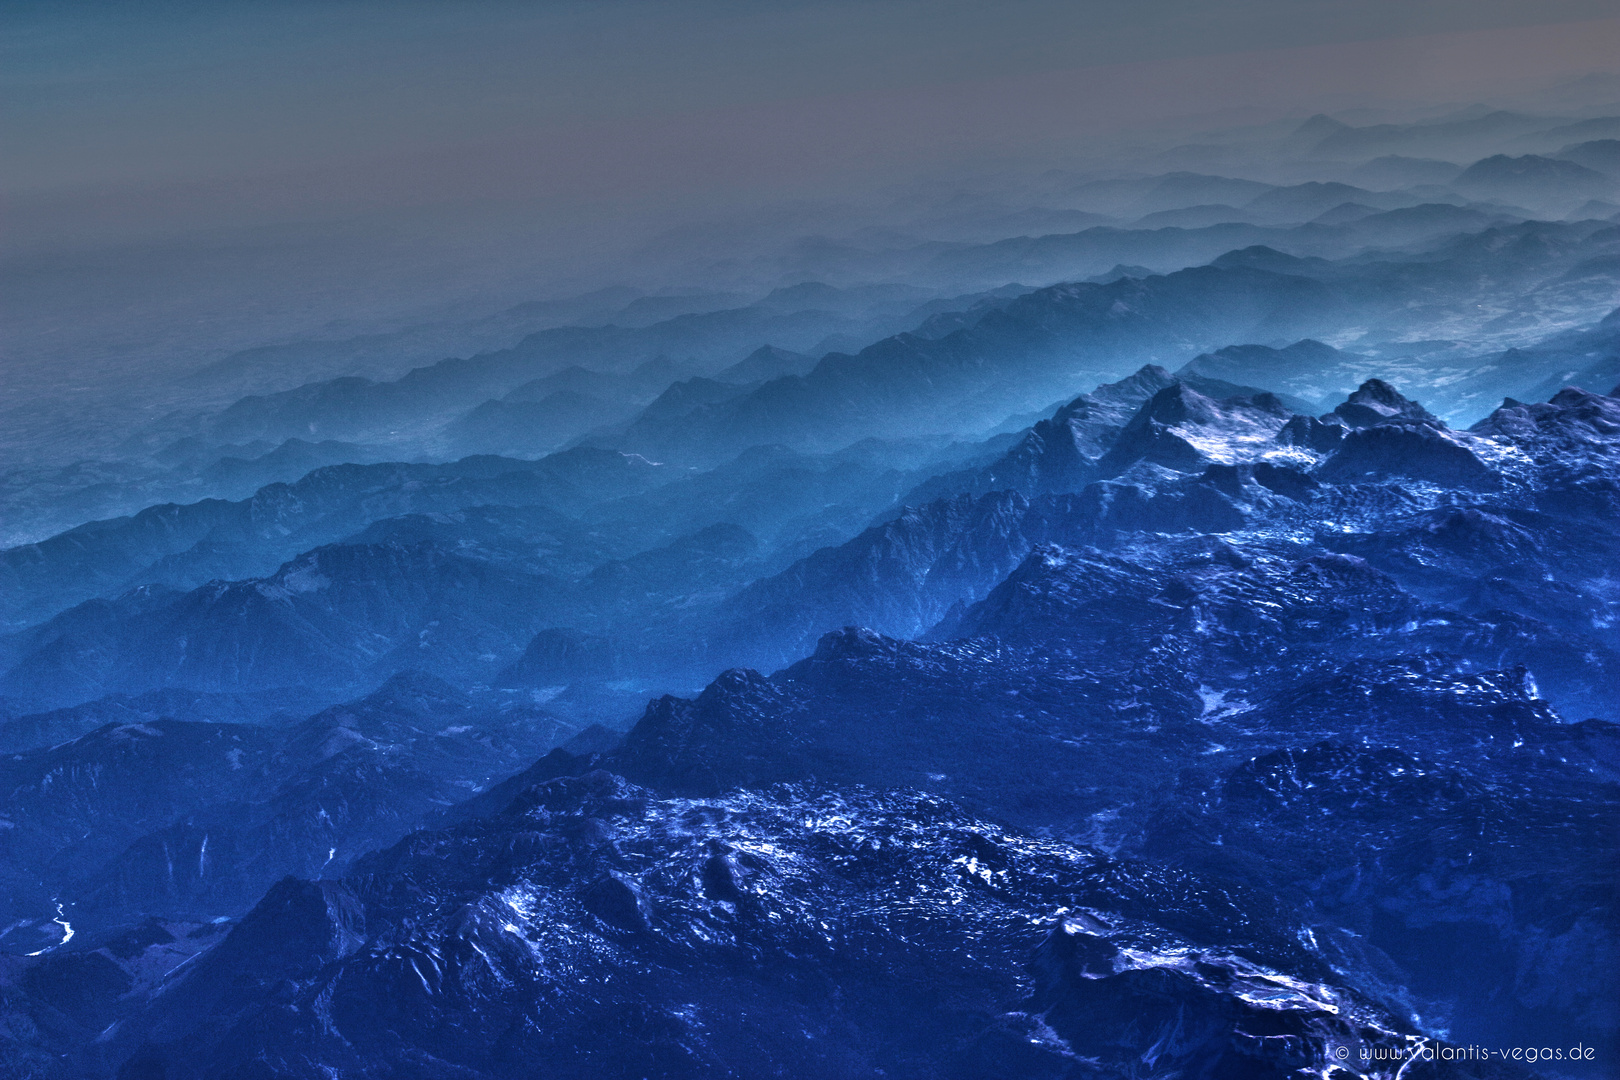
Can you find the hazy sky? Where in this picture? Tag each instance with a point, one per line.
(276, 108)
(181, 168)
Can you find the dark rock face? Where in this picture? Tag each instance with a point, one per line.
(1212, 1014)
(1311, 433)
(1415, 451)
(1391, 436)
(1376, 402)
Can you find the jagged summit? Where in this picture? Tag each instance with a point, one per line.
(1574, 420)
(1392, 436)
(1146, 381)
(1377, 402)
(1179, 428)
(1079, 443)
(1060, 453)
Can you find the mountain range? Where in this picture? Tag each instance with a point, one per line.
(1152, 618)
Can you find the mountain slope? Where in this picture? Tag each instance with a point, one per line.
(743, 907)
(186, 545)
(1023, 353)
(1196, 466)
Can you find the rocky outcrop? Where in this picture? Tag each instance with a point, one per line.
(1410, 451)
(603, 931)
(1377, 402)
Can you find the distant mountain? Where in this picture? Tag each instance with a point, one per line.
(408, 408)
(1308, 371)
(35, 730)
(1071, 256)
(1190, 235)
(459, 595)
(1310, 134)
(1304, 202)
(1344, 213)
(1462, 136)
(1395, 171)
(1416, 224)
(187, 545)
(1592, 129)
(1192, 217)
(791, 502)
(764, 363)
(1599, 155)
(387, 355)
(411, 412)
(976, 218)
(1183, 189)
(1133, 197)
(558, 656)
(468, 595)
(1035, 348)
(36, 502)
(335, 618)
(1021, 354)
(285, 463)
(571, 380)
(1599, 349)
(1587, 358)
(530, 428)
(673, 406)
(1533, 181)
